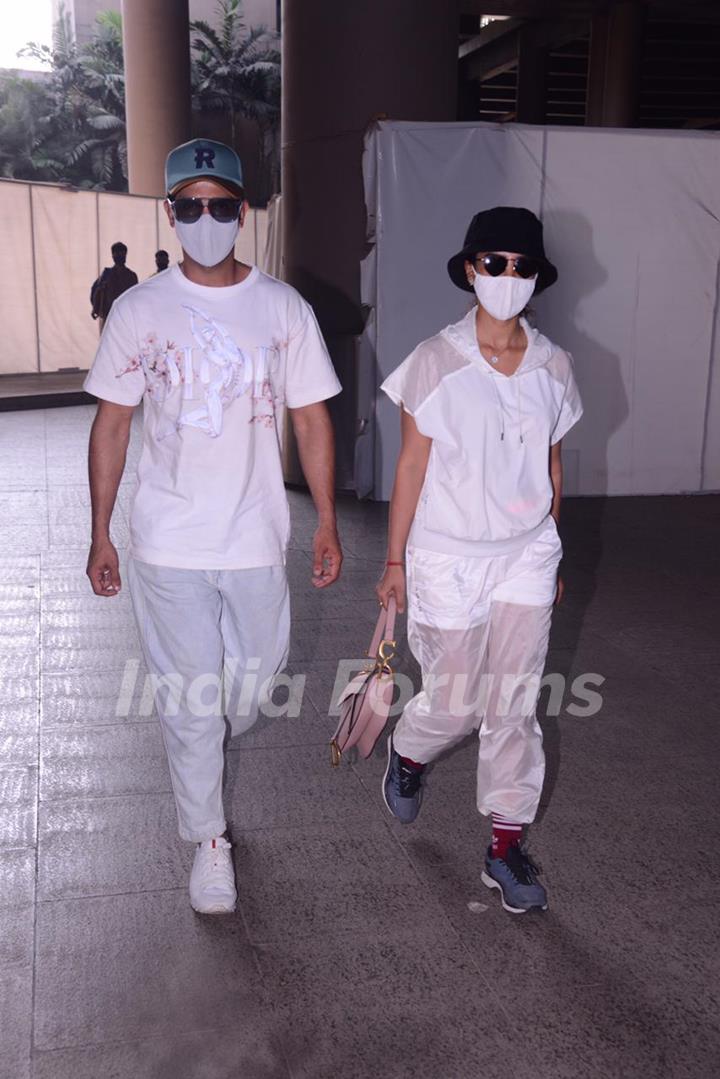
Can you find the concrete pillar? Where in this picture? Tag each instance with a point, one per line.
(615, 56)
(345, 64)
(156, 46)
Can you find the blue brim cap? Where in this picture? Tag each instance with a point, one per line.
(203, 159)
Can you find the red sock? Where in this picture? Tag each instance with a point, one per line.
(505, 833)
(412, 764)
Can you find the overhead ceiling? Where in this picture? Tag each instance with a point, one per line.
(567, 9)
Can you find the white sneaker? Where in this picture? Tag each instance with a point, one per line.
(212, 881)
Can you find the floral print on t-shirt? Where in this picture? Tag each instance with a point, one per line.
(214, 371)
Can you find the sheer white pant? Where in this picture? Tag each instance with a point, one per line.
(479, 629)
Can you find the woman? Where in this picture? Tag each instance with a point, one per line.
(474, 511)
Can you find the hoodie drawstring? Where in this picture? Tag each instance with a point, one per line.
(492, 376)
(498, 398)
(519, 410)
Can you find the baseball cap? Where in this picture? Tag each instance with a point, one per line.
(203, 159)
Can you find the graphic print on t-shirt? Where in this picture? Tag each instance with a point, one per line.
(215, 371)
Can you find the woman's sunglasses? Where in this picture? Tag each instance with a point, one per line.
(188, 211)
(497, 264)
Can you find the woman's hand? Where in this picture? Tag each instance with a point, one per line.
(392, 583)
(560, 590)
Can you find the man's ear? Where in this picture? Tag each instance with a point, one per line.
(168, 211)
(243, 212)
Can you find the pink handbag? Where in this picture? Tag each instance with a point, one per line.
(365, 701)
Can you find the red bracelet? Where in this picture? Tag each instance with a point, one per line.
(394, 563)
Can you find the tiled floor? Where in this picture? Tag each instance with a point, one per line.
(355, 951)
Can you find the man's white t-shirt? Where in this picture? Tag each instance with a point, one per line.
(487, 487)
(215, 368)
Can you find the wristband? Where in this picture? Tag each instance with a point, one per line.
(394, 563)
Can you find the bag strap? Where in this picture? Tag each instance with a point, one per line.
(385, 628)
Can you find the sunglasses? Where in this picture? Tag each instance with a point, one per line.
(188, 211)
(497, 264)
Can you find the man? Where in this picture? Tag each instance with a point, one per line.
(216, 349)
(112, 282)
(162, 261)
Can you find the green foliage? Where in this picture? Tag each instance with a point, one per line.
(70, 125)
(236, 72)
(78, 128)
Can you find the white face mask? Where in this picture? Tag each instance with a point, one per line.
(503, 297)
(207, 241)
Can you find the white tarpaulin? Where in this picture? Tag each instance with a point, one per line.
(632, 221)
(55, 243)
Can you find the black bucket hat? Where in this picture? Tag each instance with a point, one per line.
(504, 228)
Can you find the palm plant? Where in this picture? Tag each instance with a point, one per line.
(237, 72)
(81, 135)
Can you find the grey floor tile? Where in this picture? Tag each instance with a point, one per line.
(19, 664)
(24, 537)
(87, 617)
(15, 1022)
(16, 939)
(95, 657)
(19, 747)
(282, 786)
(171, 971)
(416, 1030)
(87, 699)
(248, 1048)
(306, 729)
(327, 881)
(110, 846)
(120, 635)
(431, 956)
(104, 761)
(21, 624)
(18, 805)
(17, 912)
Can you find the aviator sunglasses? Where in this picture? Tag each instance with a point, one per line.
(497, 264)
(189, 210)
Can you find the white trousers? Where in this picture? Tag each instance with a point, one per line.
(479, 629)
(213, 640)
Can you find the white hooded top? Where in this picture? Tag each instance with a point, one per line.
(487, 488)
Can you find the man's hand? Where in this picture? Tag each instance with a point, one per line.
(560, 590)
(327, 556)
(103, 569)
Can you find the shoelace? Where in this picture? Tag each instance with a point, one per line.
(408, 780)
(523, 869)
(212, 864)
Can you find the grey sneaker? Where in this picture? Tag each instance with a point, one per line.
(402, 787)
(515, 876)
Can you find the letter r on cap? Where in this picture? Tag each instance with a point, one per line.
(205, 157)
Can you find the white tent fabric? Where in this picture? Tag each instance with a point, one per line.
(17, 285)
(55, 243)
(632, 220)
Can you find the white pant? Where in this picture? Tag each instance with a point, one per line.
(212, 638)
(479, 628)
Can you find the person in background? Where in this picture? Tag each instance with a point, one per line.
(112, 282)
(473, 523)
(162, 261)
(215, 350)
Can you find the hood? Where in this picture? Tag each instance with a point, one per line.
(461, 336)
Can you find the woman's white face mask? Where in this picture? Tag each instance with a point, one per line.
(206, 240)
(503, 297)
